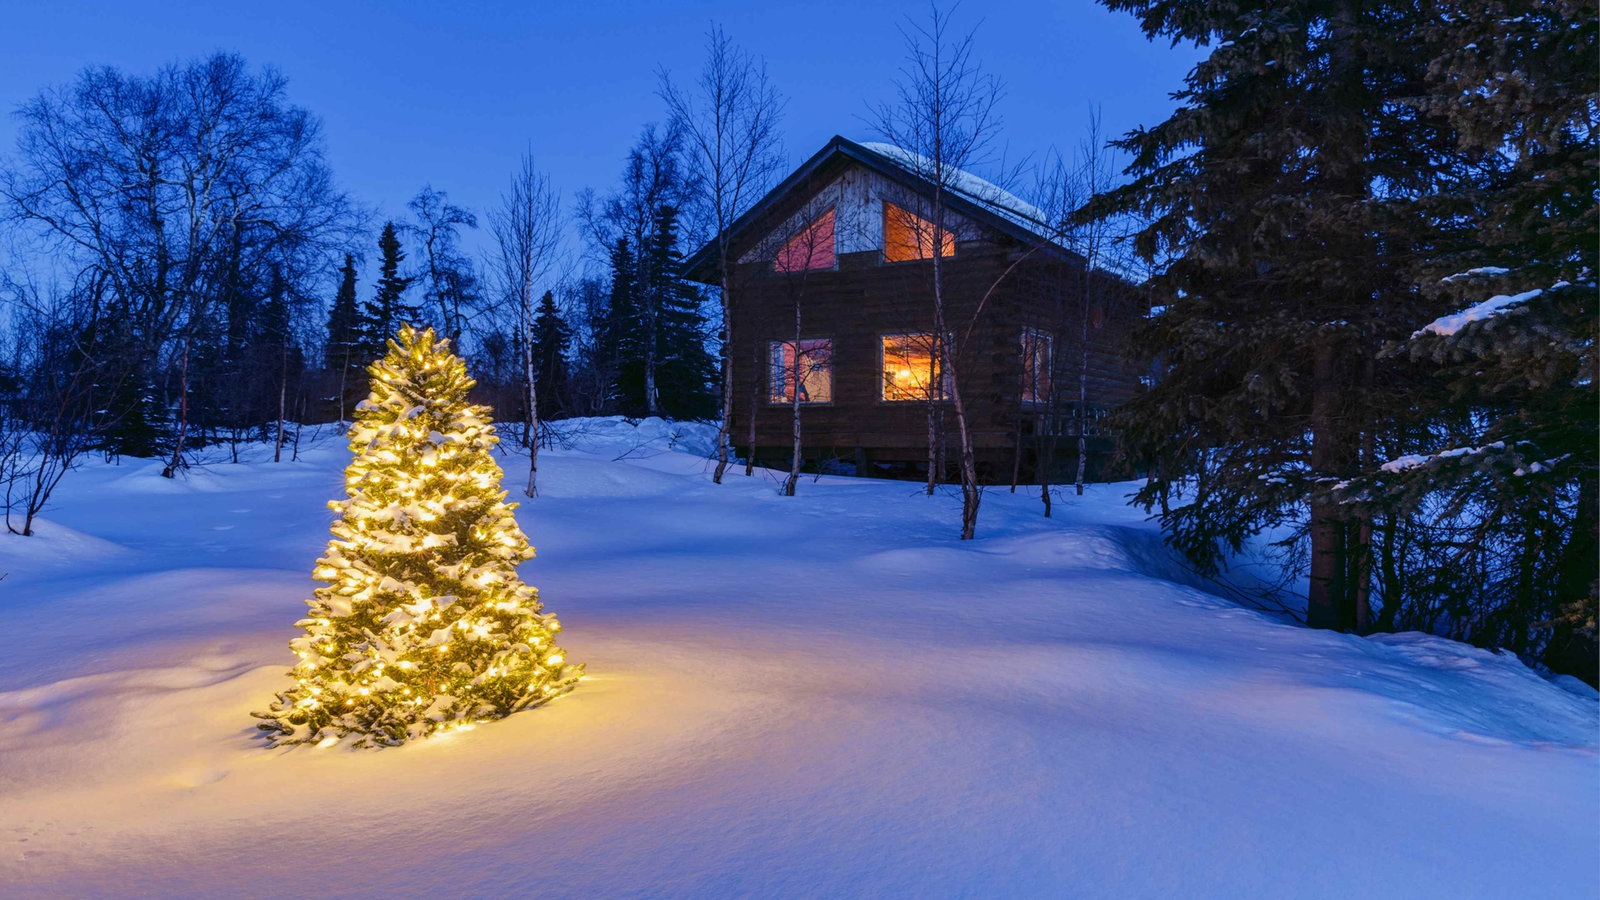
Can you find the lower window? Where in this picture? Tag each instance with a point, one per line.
(1035, 366)
(805, 367)
(911, 369)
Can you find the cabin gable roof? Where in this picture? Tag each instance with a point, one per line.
(968, 196)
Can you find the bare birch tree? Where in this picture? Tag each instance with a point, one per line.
(810, 248)
(55, 413)
(1067, 187)
(1095, 239)
(448, 287)
(655, 178)
(527, 231)
(945, 115)
(166, 185)
(729, 119)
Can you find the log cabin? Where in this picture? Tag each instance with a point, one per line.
(831, 304)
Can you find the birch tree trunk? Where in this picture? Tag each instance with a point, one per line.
(1083, 393)
(650, 401)
(794, 407)
(176, 461)
(531, 374)
(283, 391)
(725, 427)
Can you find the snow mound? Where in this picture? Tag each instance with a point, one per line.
(1478, 693)
(52, 544)
(630, 438)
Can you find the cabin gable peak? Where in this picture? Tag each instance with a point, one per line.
(869, 197)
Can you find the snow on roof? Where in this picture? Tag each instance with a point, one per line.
(1488, 309)
(987, 194)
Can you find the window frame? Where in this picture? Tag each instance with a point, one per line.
(1028, 361)
(773, 370)
(945, 382)
(949, 236)
(795, 235)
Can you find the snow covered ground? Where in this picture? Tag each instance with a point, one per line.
(824, 695)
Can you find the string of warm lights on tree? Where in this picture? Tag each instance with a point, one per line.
(422, 624)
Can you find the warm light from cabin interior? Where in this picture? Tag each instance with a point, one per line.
(910, 368)
(1035, 366)
(810, 248)
(811, 369)
(908, 236)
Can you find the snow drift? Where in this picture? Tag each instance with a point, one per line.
(818, 695)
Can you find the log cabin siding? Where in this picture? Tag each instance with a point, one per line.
(863, 299)
(1019, 280)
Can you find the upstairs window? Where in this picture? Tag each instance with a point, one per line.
(803, 365)
(911, 369)
(908, 236)
(1035, 366)
(810, 248)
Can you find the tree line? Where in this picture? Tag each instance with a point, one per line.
(1368, 233)
(182, 271)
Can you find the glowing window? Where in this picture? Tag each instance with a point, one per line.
(1035, 366)
(911, 369)
(810, 248)
(811, 369)
(907, 236)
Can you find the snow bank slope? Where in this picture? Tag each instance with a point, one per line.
(818, 695)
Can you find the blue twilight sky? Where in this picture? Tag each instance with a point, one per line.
(451, 93)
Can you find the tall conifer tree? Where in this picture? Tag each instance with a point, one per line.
(387, 309)
(345, 355)
(685, 370)
(344, 320)
(551, 336)
(1339, 176)
(1501, 462)
(623, 341)
(1281, 223)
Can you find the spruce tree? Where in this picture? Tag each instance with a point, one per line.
(387, 309)
(623, 343)
(344, 321)
(550, 338)
(1373, 226)
(1502, 458)
(423, 623)
(685, 370)
(345, 353)
(1284, 235)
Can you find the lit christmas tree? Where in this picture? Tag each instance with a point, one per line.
(423, 624)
